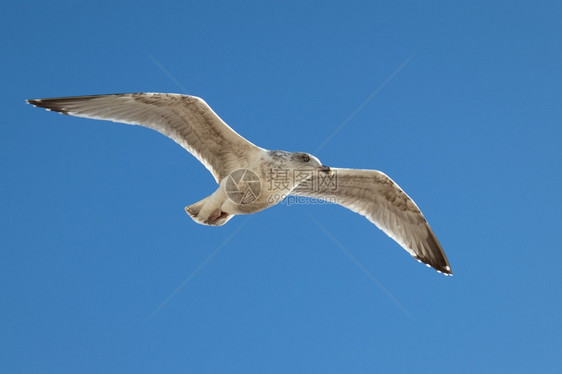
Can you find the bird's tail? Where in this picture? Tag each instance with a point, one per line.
(194, 209)
(208, 217)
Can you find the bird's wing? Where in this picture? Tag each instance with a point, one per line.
(375, 196)
(187, 120)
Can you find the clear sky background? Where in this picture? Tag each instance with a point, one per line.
(94, 239)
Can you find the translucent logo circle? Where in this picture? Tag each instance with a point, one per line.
(243, 186)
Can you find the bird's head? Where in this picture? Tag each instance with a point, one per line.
(301, 160)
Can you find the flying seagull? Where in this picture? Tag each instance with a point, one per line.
(251, 178)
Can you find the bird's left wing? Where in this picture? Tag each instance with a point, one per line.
(374, 195)
(187, 120)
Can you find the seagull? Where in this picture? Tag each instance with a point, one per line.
(252, 178)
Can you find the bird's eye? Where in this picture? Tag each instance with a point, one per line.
(305, 158)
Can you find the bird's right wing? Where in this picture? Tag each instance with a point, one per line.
(187, 120)
(374, 195)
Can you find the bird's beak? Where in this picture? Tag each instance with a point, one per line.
(325, 169)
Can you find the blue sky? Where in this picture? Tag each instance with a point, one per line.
(94, 237)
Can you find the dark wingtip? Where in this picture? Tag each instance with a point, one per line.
(445, 271)
(49, 104)
(436, 257)
(442, 268)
